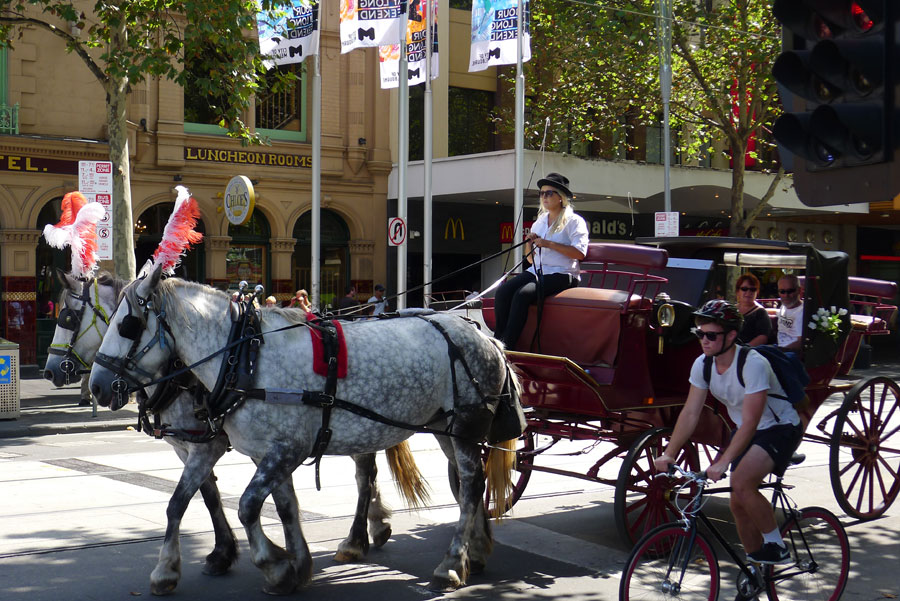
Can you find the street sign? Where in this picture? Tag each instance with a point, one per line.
(396, 231)
(95, 181)
(666, 224)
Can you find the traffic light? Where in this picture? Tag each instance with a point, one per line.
(837, 76)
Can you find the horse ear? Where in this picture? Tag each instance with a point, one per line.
(145, 270)
(149, 283)
(64, 279)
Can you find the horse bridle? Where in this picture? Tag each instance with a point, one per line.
(70, 319)
(130, 328)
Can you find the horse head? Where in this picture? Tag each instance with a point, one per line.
(137, 344)
(82, 322)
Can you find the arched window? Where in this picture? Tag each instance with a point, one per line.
(335, 255)
(248, 257)
(148, 230)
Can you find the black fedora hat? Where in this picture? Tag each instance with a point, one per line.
(558, 181)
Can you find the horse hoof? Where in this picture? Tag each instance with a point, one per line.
(441, 584)
(304, 573)
(219, 561)
(163, 587)
(344, 556)
(285, 587)
(381, 538)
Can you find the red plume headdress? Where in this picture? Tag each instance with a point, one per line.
(77, 228)
(179, 233)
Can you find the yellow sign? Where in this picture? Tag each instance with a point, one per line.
(239, 200)
(452, 224)
(244, 157)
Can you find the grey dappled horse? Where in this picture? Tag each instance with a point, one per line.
(404, 369)
(85, 310)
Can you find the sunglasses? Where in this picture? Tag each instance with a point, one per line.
(711, 336)
(747, 289)
(548, 193)
(787, 290)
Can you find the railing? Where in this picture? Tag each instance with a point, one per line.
(274, 111)
(9, 119)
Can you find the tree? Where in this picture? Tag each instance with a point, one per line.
(126, 42)
(595, 69)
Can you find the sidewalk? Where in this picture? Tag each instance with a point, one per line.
(47, 410)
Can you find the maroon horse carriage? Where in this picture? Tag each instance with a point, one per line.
(609, 362)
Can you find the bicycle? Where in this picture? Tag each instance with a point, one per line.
(677, 561)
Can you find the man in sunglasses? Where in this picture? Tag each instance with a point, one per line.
(768, 428)
(789, 327)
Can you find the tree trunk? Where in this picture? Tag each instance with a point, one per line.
(123, 228)
(738, 227)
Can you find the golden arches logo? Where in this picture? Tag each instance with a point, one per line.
(451, 226)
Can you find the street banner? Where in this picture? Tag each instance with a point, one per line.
(366, 23)
(495, 32)
(389, 56)
(290, 33)
(95, 181)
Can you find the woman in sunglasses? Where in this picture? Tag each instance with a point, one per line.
(768, 427)
(757, 328)
(557, 243)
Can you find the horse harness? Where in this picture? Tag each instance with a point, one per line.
(238, 370)
(70, 319)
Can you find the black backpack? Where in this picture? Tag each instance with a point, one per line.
(788, 369)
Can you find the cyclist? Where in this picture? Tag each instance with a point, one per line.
(768, 429)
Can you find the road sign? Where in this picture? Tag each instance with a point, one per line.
(95, 181)
(396, 231)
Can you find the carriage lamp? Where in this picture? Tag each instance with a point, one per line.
(665, 316)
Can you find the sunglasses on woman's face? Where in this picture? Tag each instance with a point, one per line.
(701, 334)
(548, 193)
(747, 289)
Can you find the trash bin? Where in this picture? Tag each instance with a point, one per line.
(9, 379)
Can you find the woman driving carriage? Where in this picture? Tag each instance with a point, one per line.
(558, 241)
(768, 428)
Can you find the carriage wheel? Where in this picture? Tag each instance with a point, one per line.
(642, 501)
(524, 461)
(865, 449)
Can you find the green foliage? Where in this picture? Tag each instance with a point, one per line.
(126, 42)
(595, 71)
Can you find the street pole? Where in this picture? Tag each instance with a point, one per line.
(316, 225)
(402, 158)
(429, 132)
(518, 202)
(664, 39)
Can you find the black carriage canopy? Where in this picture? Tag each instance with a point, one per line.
(825, 286)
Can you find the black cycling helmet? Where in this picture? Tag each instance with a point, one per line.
(722, 312)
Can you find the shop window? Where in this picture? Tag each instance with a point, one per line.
(248, 257)
(148, 231)
(334, 272)
(417, 123)
(470, 128)
(201, 109)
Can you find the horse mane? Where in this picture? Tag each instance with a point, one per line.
(105, 278)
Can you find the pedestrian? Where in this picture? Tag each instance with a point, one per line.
(379, 304)
(300, 300)
(557, 243)
(348, 301)
(270, 301)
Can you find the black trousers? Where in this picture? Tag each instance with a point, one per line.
(515, 296)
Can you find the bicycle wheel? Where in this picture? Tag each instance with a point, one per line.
(666, 564)
(820, 553)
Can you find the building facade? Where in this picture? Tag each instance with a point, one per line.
(53, 116)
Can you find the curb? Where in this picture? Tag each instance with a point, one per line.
(27, 431)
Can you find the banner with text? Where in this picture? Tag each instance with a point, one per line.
(389, 56)
(495, 32)
(366, 23)
(289, 34)
(95, 181)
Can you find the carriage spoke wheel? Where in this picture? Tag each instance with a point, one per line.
(865, 449)
(643, 501)
(525, 446)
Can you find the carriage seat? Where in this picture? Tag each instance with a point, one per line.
(582, 324)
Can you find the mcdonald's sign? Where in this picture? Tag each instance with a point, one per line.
(506, 231)
(454, 223)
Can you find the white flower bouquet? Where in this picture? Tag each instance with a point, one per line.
(828, 321)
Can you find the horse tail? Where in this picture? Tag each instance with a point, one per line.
(498, 471)
(407, 477)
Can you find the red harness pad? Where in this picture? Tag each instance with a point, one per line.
(320, 365)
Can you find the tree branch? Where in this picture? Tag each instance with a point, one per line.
(71, 42)
(764, 201)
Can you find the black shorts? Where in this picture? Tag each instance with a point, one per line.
(779, 442)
